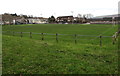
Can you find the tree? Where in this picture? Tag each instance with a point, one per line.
(25, 16)
(51, 19)
(14, 14)
(88, 16)
(79, 15)
(79, 20)
(85, 16)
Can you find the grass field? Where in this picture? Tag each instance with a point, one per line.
(34, 56)
(93, 29)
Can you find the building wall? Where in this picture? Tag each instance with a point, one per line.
(1, 20)
(37, 21)
(7, 19)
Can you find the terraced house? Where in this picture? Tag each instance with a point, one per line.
(7, 19)
(70, 19)
(37, 20)
(107, 19)
(65, 19)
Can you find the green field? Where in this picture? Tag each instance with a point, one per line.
(93, 29)
(35, 56)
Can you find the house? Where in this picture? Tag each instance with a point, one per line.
(1, 22)
(65, 19)
(20, 20)
(44, 20)
(70, 19)
(79, 20)
(37, 20)
(7, 18)
(107, 19)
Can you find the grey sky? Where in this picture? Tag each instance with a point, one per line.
(46, 8)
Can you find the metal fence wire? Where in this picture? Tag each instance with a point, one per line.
(76, 38)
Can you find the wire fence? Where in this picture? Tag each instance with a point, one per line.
(76, 38)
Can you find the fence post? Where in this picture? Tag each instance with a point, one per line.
(100, 40)
(115, 36)
(30, 34)
(113, 39)
(75, 39)
(13, 33)
(42, 36)
(56, 37)
(21, 34)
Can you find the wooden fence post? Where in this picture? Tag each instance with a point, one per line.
(42, 36)
(21, 35)
(30, 34)
(100, 40)
(113, 39)
(115, 36)
(56, 37)
(75, 39)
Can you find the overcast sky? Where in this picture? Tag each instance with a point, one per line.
(46, 8)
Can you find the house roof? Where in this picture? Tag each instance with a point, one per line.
(64, 16)
(7, 17)
(108, 16)
(37, 18)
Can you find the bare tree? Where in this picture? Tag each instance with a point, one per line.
(79, 16)
(87, 16)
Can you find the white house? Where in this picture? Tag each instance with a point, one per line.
(38, 20)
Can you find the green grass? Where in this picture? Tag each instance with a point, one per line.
(71, 29)
(0, 49)
(34, 56)
(23, 55)
(93, 29)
